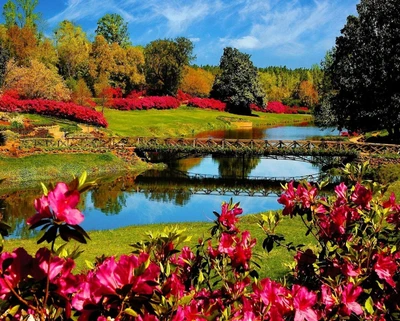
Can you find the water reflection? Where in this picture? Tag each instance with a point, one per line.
(172, 196)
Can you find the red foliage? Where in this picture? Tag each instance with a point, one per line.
(207, 103)
(277, 107)
(145, 103)
(53, 108)
(134, 94)
(182, 96)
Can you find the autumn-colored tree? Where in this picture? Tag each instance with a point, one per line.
(46, 53)
(73, 50)
(197, 82)
(101, 60)
(127, 73)
(81, 93)
(36, 81)
(308, 94)
(22, 43)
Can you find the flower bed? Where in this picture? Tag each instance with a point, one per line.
(207, 103)
(353, 274)
(277, 107)
(145, 103)
(59, 109)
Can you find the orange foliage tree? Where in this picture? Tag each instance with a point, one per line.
(308, 94)
(197, 82)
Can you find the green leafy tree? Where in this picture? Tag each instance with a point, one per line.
(73, 50)
(238, 83)
(365, 71)
(114, 29)
(165, 62)
(21, 13)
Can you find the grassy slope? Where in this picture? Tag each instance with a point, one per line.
(116, 242)
(184, 121)
(23, 171)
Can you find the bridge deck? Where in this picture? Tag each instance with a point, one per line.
(218, 146)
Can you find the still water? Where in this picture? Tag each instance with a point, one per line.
(170, 196)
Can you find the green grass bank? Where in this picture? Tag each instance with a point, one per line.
(117, 241)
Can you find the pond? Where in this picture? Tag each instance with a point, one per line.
(172, 195)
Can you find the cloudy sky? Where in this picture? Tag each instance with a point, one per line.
(295, 33)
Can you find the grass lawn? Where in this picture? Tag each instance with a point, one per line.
(116, 242)
(185, 121)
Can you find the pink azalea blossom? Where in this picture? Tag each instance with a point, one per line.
(349, 295)
(361, 196)
(63, 203)
(385, 267)
(303, 302)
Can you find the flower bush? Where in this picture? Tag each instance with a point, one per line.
(53, 108)
(145, 103)
(352, 275)
(277, 107)
(207, 103)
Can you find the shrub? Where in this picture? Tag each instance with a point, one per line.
(58, 109)
(353, 275)
(207, 103)
(145, 103)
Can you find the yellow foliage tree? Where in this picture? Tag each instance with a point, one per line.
(197, 82)
(308, 94)
(36, 81)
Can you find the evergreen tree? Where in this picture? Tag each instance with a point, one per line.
(365, 69)
(238, 84)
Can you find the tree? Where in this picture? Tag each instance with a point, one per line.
(22, 43)
(365, 71)
(36, 81)
(238, 84)
(113, 28)
(197, 82)
(4, 57)
(21, 13)
(73, 50)
(164, 64)
(308, 94)
(127, 73)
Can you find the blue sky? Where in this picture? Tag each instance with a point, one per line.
(295, 33)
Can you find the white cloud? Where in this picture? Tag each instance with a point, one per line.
(286, 28)
(194, 39)
(180, 17)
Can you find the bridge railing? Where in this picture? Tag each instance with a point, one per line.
(256, 146)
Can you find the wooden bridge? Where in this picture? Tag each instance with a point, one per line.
(256, 147)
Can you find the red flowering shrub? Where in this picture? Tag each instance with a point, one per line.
(277, 107)
(183, 97)
(145, 103)
(207, 103)
(354, 274)
(53, 108)
(136, 94)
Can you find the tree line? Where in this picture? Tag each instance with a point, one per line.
(69, 65)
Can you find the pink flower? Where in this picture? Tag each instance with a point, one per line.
(19, 268)
(341, 191)
(303, 301)
(349, 295)
(361, 196)
(385, 267)
(63, 202)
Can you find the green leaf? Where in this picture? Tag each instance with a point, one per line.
(369, 305)
(82, 179)
(45, 190)
(131, 312)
